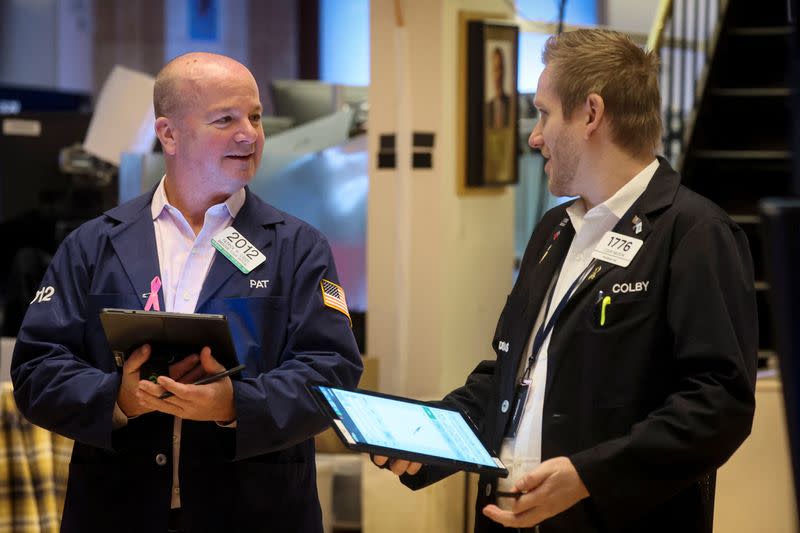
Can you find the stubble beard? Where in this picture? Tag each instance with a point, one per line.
(561, 179)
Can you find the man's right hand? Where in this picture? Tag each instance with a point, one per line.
(186, 370)
(130, 381)
(397, 466)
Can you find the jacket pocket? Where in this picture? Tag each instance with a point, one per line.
(609, 422)
(613, 312)
(280, 488)
(258, 327)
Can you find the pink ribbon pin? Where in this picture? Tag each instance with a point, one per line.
(152, 301)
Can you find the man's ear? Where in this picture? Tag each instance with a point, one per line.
(594, 110)
(165, 129)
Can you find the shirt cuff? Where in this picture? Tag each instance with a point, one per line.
(118, 419)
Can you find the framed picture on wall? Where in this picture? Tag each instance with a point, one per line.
(491, 104)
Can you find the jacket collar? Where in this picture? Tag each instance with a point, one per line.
(254, 216)
(129, 211)
(134, 242)
(660, 194)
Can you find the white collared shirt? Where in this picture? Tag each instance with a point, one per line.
(524, 453)
(184, 260)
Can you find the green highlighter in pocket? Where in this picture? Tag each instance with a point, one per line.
(603, 304)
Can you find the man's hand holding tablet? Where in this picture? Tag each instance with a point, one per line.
(397, 466)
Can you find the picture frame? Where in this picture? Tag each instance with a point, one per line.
(491, 104)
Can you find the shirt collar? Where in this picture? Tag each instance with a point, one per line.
(623, 199)
(234, 202)
(620, 201)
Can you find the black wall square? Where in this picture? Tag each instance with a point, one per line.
(422, 139)
(386, 160)
(386, 151)
(387, 141)
(422, 160)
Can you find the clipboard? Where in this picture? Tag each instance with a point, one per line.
(171, 336)
(403, 428)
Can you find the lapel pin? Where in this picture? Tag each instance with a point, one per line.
(152, 300)
(545, 253)
(637, 224)
(594, 272)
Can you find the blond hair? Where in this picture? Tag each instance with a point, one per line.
(611, 65)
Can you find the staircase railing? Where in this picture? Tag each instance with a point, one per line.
(684, 34)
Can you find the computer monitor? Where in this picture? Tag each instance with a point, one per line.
(14, 100)
(780, 219)
(30, 143)
(303, 100)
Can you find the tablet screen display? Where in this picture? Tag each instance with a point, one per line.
(406, 425)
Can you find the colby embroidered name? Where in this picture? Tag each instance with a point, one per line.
(639, 286)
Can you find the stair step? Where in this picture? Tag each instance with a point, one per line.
(762, 31)
(743, 154)
(755, 14)
(752, 92)
(769, 46)
(746, 219)
(718, 124)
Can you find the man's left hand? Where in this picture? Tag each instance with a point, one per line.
(554, 486)
(210, 402)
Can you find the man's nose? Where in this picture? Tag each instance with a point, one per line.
(248, 132)
(536, 140)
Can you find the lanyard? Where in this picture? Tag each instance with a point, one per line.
(524, 385)
(547, 325)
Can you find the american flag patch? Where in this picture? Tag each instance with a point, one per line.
(333, 296)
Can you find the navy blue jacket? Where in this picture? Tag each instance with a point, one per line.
(259, 476)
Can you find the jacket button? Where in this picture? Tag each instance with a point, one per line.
(488, 490)
(161, 459)
(504, 408)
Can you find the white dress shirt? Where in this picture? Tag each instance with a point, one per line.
(524, 452)
(184, 260)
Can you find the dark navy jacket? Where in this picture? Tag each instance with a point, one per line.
(259, 476)
(648, 404)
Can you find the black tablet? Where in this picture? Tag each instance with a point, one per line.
(405, 429)
(172, 336)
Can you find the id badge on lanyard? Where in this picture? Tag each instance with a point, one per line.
(520, 399)
(524, 384)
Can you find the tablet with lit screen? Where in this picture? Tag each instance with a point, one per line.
(402, 428)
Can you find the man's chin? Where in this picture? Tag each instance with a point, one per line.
(243, 171)
(557, 189)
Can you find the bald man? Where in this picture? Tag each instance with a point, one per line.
(232, 455)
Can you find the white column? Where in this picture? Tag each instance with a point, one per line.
(439, 265)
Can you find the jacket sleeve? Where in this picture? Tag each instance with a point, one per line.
(711, 314)
(274, 409)
(55, 384)
(471, 399)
